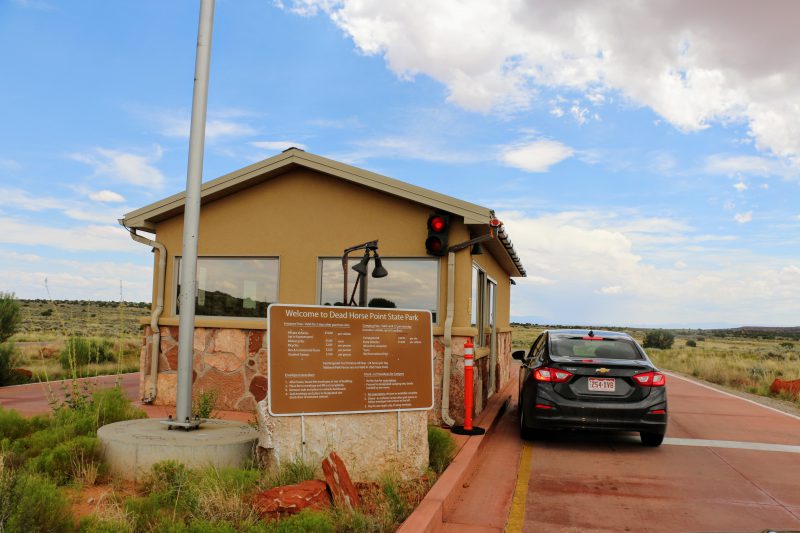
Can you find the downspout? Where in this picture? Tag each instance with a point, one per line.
(448, 338)
(155, 341)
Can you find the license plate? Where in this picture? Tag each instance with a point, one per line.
(602, 384)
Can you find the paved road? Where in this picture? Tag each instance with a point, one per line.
(35, 398)
(706, 477)
(727, 465)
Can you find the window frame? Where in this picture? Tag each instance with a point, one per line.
(176, 272)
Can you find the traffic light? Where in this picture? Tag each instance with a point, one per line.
(438, 227)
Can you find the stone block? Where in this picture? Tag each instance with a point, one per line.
(229, 387)
(255, 341)
(222, 361)
(232, 341)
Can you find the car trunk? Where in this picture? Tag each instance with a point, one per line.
(601, 380)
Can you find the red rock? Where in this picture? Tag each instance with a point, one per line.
(291, 499)
(339, 482)
(22, 372)
(793, 387)
(255, 341)
(258, 388)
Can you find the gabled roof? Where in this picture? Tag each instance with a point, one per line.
(147, 217)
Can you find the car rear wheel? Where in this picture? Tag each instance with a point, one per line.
(651, 439)
(525, 432)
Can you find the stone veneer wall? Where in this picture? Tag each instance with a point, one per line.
(234, 363)
(481, 376)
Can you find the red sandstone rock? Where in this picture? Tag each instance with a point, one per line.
(258, 388)
(22, 372)
(229, 387)
(291, 499)
(339, 483)
(255, 341)
(779, 385)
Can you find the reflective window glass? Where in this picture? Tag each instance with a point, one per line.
(233, 286)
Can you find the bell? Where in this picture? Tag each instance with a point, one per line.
(379, 271)
(361, 267)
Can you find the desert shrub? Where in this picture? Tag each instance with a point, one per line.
(94, 524)
(166, 477)
(289, 473)
(204, 403)
(787, 345)
(441, 449)
(40, 507)
(691, 344)
(14, 426)
(8, 361)
(149, 513)
(73, 460)
(306, 521)
(80, 351)
(9, 315)
(398, 507)
(659, 338)
(218, 494)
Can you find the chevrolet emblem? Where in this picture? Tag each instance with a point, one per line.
(602, 370)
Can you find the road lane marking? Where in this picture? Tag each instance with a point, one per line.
(731, 395)
(760, 446)
(516, 517)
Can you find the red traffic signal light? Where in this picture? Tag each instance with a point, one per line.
(438, 228)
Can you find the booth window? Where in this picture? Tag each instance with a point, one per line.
(484, 306)
(233, 286)
(411, 284)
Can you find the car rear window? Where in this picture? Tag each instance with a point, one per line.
(599, 349)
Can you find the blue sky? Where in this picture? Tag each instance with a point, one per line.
(644, 158)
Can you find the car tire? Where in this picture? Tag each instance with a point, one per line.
(651, 439)
(525, 432)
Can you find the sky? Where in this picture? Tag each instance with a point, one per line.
(643, 156)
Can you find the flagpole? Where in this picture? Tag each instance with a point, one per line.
(191, 218)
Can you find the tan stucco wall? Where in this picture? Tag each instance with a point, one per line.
(302, 216)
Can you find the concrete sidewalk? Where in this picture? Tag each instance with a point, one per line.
(474, 493)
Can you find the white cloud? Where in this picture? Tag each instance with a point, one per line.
(278, 146)
(125, 167)
(106, 196)
(536, 156)
(579, 114)
(700, 64)
(743, 218)
(747, 165)
(219, 124)
(740, 186)
(81, 238)
(613, 289)
(589, 255)
(74, 209)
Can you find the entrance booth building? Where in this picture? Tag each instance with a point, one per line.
(275, 231)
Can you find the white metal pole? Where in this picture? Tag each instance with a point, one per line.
(191, 216)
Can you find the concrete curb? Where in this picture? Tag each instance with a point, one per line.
(428, 517)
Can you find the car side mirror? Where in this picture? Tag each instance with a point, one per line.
(519, 355)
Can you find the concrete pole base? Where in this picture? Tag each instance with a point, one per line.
(131, 447)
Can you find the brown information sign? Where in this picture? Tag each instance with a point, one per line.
(325, 360)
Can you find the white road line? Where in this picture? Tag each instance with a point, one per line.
(732, 395)
(760, 446)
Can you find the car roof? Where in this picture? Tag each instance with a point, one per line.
(584, 332)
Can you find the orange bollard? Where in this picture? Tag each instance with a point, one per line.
(469, 364)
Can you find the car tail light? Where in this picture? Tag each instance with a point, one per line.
(543, 406)
(551, 375)
(658, 412)
(650, 379)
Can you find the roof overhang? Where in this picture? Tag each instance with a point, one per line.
(475, 216)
